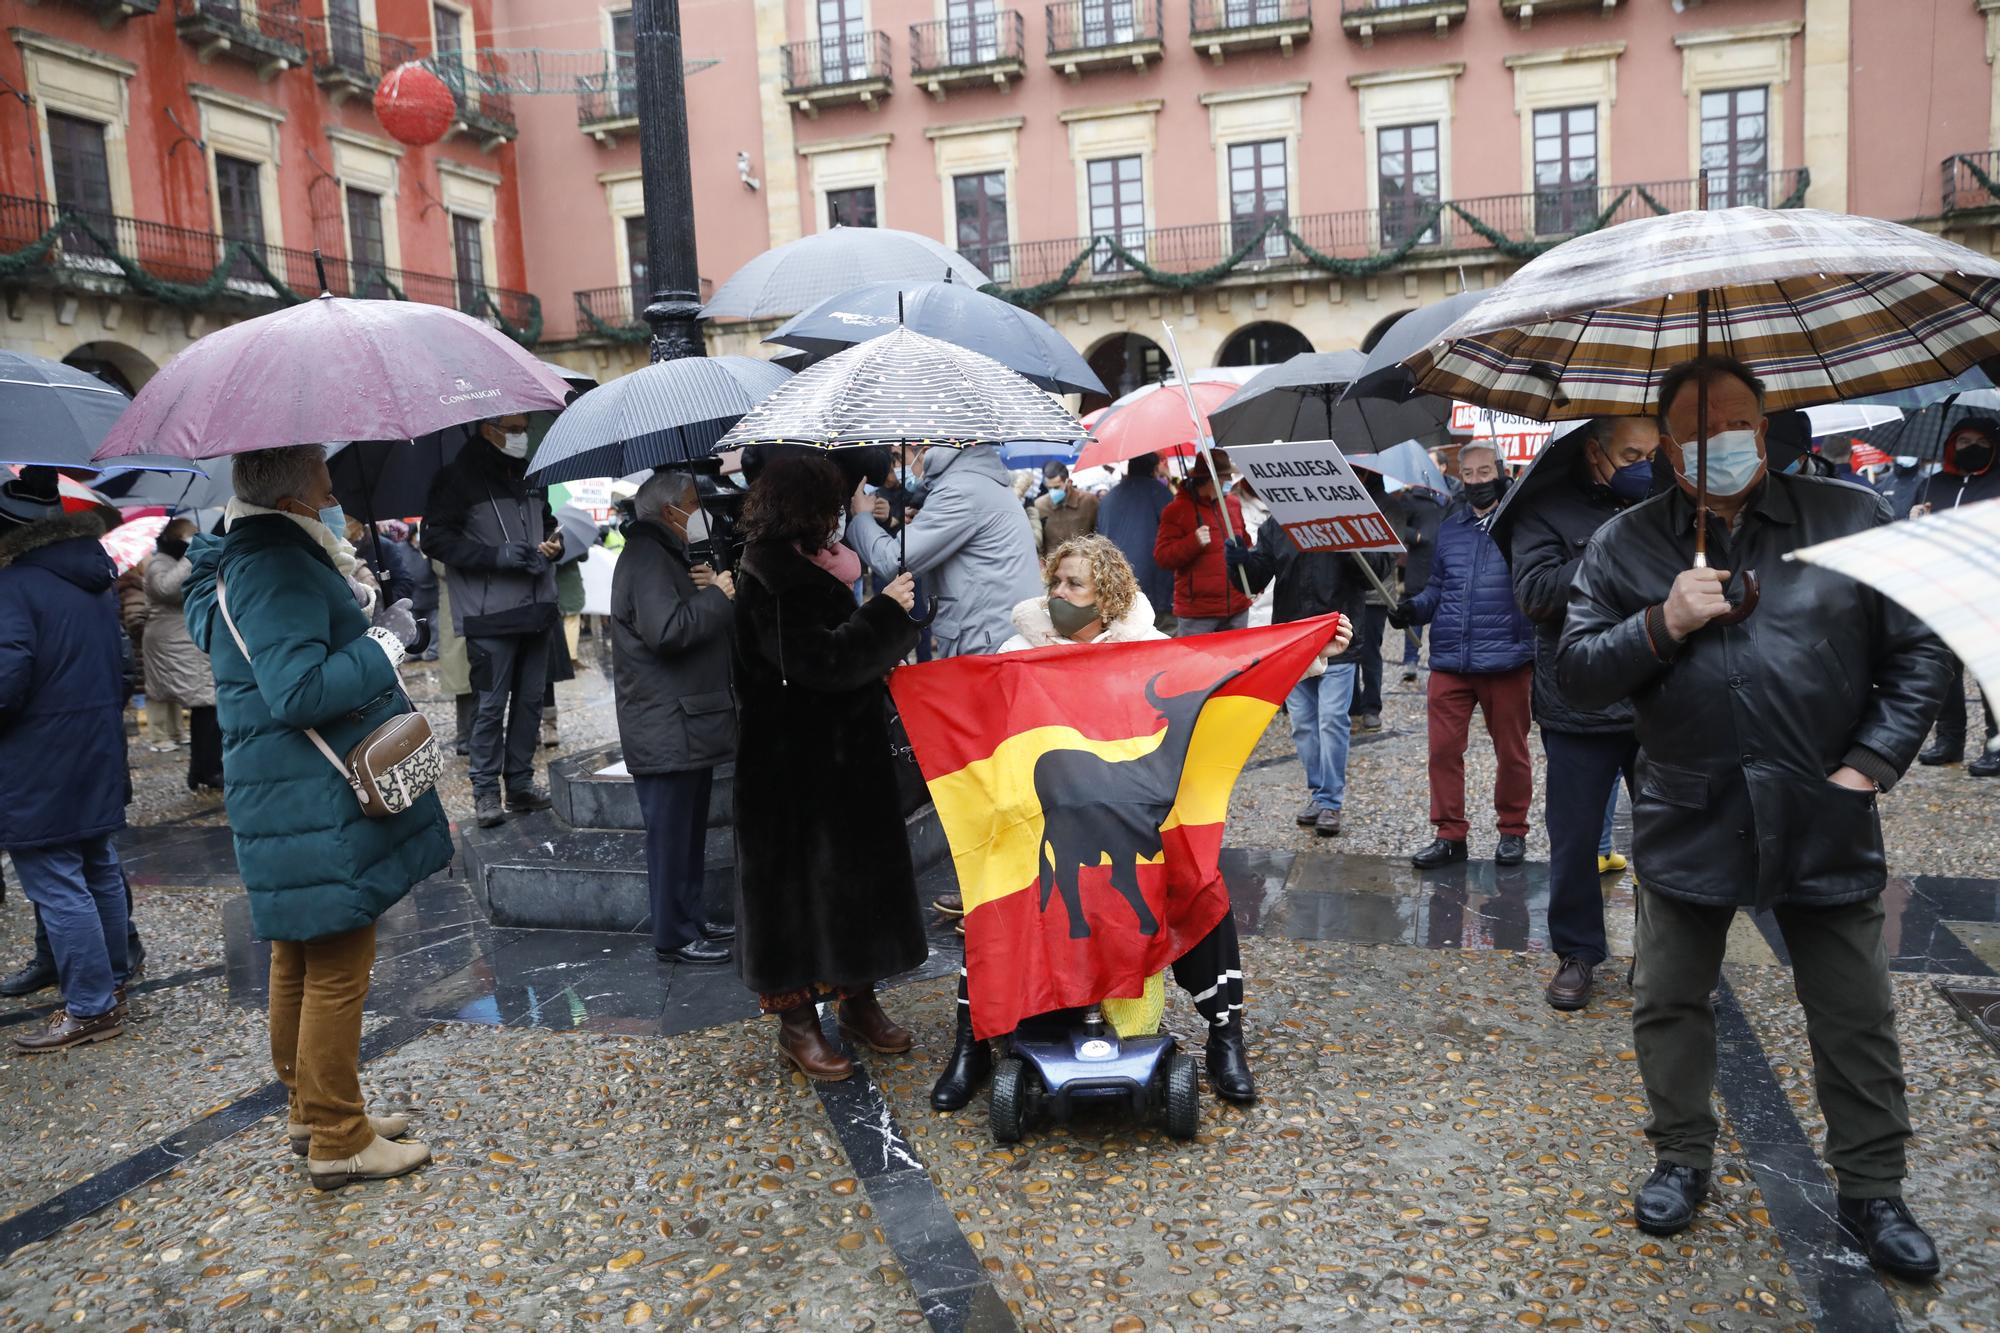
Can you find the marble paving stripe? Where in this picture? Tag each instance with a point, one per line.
(952, 1286)
(113, 1183)
(1843, 1291)
(171, 981)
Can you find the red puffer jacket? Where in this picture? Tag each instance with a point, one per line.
(1202, 586)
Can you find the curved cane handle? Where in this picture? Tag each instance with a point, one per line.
(1744, 607)
(923, 619)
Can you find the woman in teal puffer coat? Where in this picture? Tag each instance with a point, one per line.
(318, 871)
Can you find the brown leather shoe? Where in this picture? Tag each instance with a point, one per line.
(802, 1042)
(951, 904)
(1327, 825)
(65, 1030)
(863, 1017)
(1569, 988)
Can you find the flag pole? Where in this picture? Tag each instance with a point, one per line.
(1204, 446)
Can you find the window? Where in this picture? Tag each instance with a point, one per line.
(1257, 193)
(843, 42)
(367, 256)
(1250, 13)
(469, 250)
(624, 64)
(635, 265)
(980, 202)
(447, 41)
(851, 208)
(345, 39)
(1735, 137)
(1117, 209)
(972, 31)
(239, 199)
(1565, 169)
(83, 179)
(1406, 172)
(1108, 22)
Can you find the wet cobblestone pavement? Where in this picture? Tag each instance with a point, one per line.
(618, 1144)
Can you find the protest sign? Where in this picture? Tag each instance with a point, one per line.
(1518, 439)
(1315, 495)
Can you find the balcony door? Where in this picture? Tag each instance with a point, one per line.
(367, 255)
(972, 31)
(1257, 194)
(1252, 13)
(637, 275)
(468, 248)
(239, 202)
(1565, 169)
(448, 41)
(624, 65)
(843, 41)
(1735, 147)
(980, 201)
(82, 172)
(1117, 210)
(1406, 173)
(346, 38)
(1108, 22)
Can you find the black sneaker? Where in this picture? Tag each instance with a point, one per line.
(1987, 765)
(1441, 852)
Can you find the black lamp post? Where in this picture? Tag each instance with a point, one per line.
(675, 310)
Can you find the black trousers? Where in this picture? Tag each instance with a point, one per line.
(1581, 769)
(675, 808)
(1951, 717)
(1211, 972)
(1368, 692)
(204, 748)
(509, 674)
(135, 952)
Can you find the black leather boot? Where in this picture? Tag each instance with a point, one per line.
(1895, 1243)
(969, 1066)
(1440, 852)
(31, 977)
(1943, 749)
(1667, 1200)
(1229, 1063)
(1987, 765)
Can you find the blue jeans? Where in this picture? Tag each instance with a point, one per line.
(1610, 813)
(1413, 642)
(1318, 706)
(81, 896)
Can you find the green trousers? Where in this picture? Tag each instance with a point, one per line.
(1840, 969)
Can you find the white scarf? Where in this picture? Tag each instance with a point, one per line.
(336, 546)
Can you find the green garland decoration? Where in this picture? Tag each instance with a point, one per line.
(1514, 249)
(528, 334)
(629, 334)
(1985, 181)
(1646, 197)
(1042, 293)
(1372, 264)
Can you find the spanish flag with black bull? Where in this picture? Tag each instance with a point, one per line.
(1084, 794)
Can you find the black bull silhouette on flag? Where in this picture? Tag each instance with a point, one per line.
(1094, 807)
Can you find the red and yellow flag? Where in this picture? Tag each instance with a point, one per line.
(1083, 792)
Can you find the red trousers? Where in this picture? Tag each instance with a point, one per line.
(1503, 701)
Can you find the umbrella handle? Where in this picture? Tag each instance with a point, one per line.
(1743, 607)
(922, 619)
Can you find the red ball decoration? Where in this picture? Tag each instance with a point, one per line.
(414, 105)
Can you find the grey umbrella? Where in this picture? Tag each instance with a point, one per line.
(666, 413)
(1306, 398)
(1383, 372)
(801, 274)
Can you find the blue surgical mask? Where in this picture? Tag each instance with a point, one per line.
(903, 476)
(1634, 481)
(1733, 461)
(1057, 495)
(335, 519)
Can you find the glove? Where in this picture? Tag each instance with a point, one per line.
(387, 642)
(398, 619)
(523, 556)
(1402, 613)
(1234, 554)
(364, 596)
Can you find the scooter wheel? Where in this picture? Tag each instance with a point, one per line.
(1183, 1095)
(1008, 1112)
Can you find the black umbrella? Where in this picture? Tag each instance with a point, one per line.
(1922, 433)
(376, 479)
(1383, 374)
(578, 530)
(1309, 398)
(183, 489)
(53, 414)
(1552, 467)
(670, 412)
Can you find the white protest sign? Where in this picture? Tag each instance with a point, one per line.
(1315, 495)
(1518, 439)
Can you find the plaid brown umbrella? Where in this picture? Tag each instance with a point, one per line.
(1821, 306)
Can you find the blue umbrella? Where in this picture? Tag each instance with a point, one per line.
(1409, 463)
(1017, 338)
(55, 415)
(666, 413)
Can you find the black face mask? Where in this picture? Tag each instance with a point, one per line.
(1484, 494)
(1973, 457)
(176, 547)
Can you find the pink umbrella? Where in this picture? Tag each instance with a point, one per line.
(133, 540)
(332, 369)
(1153, 421)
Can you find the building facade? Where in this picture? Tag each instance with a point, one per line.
(1265, 175)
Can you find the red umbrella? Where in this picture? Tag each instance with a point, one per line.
(133, 540)
(1153, 421)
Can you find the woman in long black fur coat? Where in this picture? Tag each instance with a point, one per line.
(826, 900)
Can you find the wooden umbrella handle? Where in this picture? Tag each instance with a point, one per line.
(1744, 607)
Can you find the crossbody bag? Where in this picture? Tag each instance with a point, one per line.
(391, 768)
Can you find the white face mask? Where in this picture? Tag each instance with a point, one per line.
(516, 444)
(695, 524)
(1732, 462)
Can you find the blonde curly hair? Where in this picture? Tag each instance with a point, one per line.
(1117, 587)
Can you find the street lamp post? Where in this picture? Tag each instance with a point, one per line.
(675, 310)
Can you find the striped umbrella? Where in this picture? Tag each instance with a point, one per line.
(668, 412)
(905, 388)
(800, 274)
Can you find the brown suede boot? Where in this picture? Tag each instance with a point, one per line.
(802, 1042)
(380, 1160)
(863, 1017)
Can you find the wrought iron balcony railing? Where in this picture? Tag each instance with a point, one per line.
(200, 270)
(608, 98)
(1207, 18)
(1971, 181)
(812, 67)
(269, 34)
(350, 55)
(604, 311)
(984, 39)
(476, 81)
(1078, 27)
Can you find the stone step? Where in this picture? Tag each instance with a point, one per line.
(584, 799)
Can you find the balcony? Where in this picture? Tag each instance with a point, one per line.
(1528, 10)
(1103, 34)
(484, 112)
(1442, 238)
(1366, 19)
(617, 313)
(350, 58)
(1971, 182)
(267, 35)
(607, 104)
(103, 254)
(111, 13)
(838, 72)
(1222, 26)
(986, 49)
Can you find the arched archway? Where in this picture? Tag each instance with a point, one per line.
(1264, 343)
(114, 363)
(1124, 361)
(1382, 326)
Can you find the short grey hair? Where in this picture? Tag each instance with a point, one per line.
(1477, 446)
(664, 487)
(263, 477)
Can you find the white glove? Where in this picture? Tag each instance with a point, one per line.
(364, 596)
(391, 647)
(399, 620)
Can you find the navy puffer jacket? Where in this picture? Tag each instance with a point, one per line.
(1476, 627)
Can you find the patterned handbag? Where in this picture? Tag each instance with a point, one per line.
(394, 764)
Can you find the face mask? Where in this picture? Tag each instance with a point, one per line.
(1483, 494)
(1057, 495)
(696, 524)
(1905, 461)
(1068, 618)
(173, 547)
(1633, 481)
(515, 444)
(903, 476)
(1973, 457)
(1732, 461)
(335, 520)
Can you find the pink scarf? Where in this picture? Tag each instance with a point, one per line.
(838, 560)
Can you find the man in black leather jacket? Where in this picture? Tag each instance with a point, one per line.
(1763, 747)
(1588, 749)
